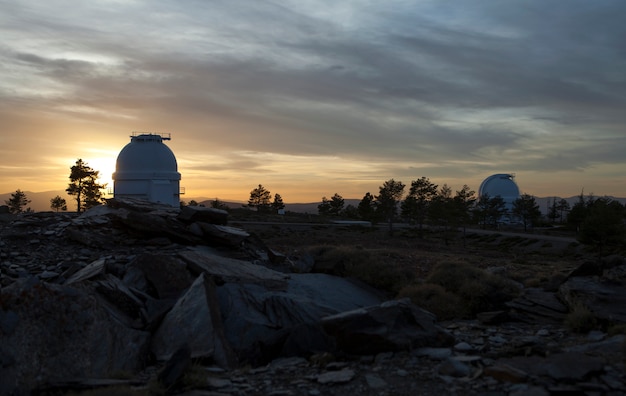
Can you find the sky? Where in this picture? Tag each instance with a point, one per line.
(312, 98)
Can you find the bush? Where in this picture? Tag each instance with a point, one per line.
(580, 319)
(370, 267)
(478, 290)
(433, 298)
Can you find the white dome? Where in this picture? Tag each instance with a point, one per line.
(146, 156)
(146, 169)
(501, 184)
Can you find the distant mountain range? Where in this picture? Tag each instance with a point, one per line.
(40, 202)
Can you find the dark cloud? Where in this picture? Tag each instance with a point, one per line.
(449, 88)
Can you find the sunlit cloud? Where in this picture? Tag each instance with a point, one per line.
(312, 98)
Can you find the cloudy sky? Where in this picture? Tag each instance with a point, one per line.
(312, 98)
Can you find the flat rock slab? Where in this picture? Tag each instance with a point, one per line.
(395, 325)
(232, 270)
(607, 300)
(92, 270)
(193, 322)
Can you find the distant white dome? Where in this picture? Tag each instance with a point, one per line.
(147, 169)
(501, 184)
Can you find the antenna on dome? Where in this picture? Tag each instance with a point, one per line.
(151, 135)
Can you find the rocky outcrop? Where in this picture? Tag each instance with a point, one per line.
(391, 326)
(603, 295)
(138, 290)
(129, 284)
(46, 327)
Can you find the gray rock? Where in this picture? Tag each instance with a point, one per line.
(391, 326)
(336, 377)
(606, 300)
(232, 270)
(375, 382)
(259, 322)
(194, 320)
(80, 336)
(94, 269)
(167, 274)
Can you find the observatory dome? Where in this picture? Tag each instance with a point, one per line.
(147, 169)
(501, 184)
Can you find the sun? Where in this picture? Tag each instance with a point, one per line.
(105, 165)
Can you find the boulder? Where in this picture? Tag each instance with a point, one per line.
(262, 323)
(94, 269)
(192, 214)
(222, 234)
(195, 321)
(605, 299)
(167, 275)
(80, 338)
(537, 305)
(232, 270)
(391, 326)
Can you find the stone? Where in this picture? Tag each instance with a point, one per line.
(433, 353)
(454, 368)
(174, 369)
(168, 275)
(223, 235)
(92, 270)
(391, 326)
(80, 335)
(535, 305)
(336, 377)
(375, 382)
(232, 270)
(261, 323)
(605, 299)
(194, 320)
(506, 373)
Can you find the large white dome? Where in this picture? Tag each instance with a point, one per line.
(146, 169)
(501, 184)
(146, 154)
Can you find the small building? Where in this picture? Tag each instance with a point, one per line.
(147, 169)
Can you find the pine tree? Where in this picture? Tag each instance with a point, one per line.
(17, 202)
(83, 185)
(260, 199)
(278, 203)
(57, 203)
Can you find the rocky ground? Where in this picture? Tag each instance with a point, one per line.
(526, 351)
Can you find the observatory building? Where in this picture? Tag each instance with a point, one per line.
(146, 169)
(501, 184)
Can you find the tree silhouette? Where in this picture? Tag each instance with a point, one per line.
(366, 208)
(390, 193)
(17, 201)
(415, 206)
(527, 209)
(83, 185)
(57, 203)
(260, 199)
(278, 203)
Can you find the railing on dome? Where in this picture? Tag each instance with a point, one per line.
(163, 136)
(182, 191)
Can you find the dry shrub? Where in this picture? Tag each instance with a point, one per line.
(580, 319)
(370, 267)
(433, 298)
(478, 290)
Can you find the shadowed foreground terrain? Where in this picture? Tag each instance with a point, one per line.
(135, 299)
